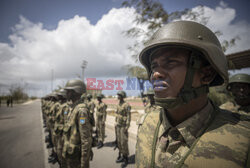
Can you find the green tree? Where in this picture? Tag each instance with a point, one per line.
(18, 93)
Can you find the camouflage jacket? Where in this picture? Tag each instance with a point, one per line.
(61, 117)
(52, 114)
(79, 129)
(101, 111)
(244, 111)
(210, 138)
(91, 106)
(123, 115)
(149, 108)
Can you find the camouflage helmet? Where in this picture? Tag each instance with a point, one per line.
(193, 36)
(89, 96)
(122, 94)
(77, 85)
(238, 78)
(62, 92)
(99, 95)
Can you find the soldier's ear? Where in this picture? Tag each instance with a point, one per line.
(208, 74)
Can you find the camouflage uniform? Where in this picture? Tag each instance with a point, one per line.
(123, 118)
(195, 135)
(243, 110)
(101, 114)
(78, 147)
(211, 137)
(59, 124)
(77, 130)
(91, 106)
(54, 110)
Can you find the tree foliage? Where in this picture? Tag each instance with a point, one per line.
(136, 71)
(18, 93)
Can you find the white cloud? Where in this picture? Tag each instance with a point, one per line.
(222, 19)
(34, 51)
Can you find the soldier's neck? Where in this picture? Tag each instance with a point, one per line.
(180, 114)
(121, 101)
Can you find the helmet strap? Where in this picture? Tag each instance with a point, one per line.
(187, 93)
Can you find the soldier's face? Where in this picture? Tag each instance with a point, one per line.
(119, 97)
(241, 92)
(169, 67)
(70, 94)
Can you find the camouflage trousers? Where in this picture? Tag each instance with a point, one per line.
(122, 140)
(59, 148)
(100, 128)
(73, 163)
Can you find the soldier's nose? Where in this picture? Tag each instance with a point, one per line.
(157, 75)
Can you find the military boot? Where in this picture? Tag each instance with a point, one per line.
(118, 158)
(47, 139)
(49, 145)
(100, 144)
(125, 161)
(53, 158)
(121, 159)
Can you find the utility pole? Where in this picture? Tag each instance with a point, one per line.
(83, 66)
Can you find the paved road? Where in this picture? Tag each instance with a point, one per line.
(21, 137)
(22, 141)
(106, 156)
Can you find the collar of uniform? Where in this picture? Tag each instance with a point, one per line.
(192, 127)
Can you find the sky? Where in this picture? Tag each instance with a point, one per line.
(41, 38)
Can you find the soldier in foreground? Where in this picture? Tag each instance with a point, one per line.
(183, 59)
(77, 130)
(101, 113)
(239, 86)
(123, 118)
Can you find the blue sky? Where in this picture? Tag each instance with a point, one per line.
(50, 12)
(37, 36)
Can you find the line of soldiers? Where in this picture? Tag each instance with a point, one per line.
(69, 120)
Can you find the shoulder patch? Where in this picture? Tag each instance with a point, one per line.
(82, 120)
